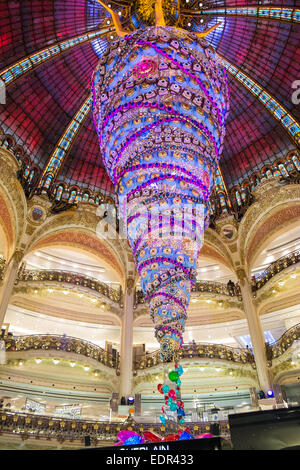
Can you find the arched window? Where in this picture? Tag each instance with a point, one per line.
(244, 194)
(296, 162)
(238, 198)
(222, 202)
(7, 143)
(59, 193)
(290, 166)
(269, 174)
(282, 170)
(65, 195)
(85, 197)
(31, 176)
(72, 196)
(48, 181)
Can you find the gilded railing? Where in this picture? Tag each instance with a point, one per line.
(213, 287)
(115, 295)
(30, 425)
(2, 268)
(200, 350)
(284, 342)
(62, 343)
(275, 268)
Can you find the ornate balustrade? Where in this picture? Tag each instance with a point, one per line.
(62, 343)
(274, 268)
(200, 350)
(284, 342)
(30, 425)
(2, 268)
(115, 295)
(201, 286)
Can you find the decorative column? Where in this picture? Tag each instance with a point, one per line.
(9, 281)
(256, 332)
(126, 350)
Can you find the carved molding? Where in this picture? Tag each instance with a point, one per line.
(275, 198)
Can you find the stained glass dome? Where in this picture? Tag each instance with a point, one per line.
(49, 50)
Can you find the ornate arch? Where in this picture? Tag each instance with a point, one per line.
(276, 206)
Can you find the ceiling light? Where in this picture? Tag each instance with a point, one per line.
(108, 22)
(72, 364)
(86, 368)
(201, 21)
(293, 276)
(281, 283)
(38, 361)
(56, 361)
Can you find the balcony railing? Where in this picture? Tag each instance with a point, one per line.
(284, 342)
(2, 268)
(115, 295)
(62, 343)
(200, 350)
(202, 286)
(275, 268)
(28, 425)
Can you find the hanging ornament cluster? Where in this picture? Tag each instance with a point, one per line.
(131, 437)
(172, 395)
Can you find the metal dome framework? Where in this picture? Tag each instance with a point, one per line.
(49, 50)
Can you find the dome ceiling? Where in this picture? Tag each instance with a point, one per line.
(41, 103)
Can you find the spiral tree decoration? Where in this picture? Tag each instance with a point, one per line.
(160, 100)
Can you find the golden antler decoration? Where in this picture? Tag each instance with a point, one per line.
(205, 33)
(159, 14)
(117, 23)
(159, 20)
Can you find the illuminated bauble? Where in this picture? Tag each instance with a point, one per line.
(165, 388)
(173, 376)
(173, 407)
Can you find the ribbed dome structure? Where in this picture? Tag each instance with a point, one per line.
(260, 45)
